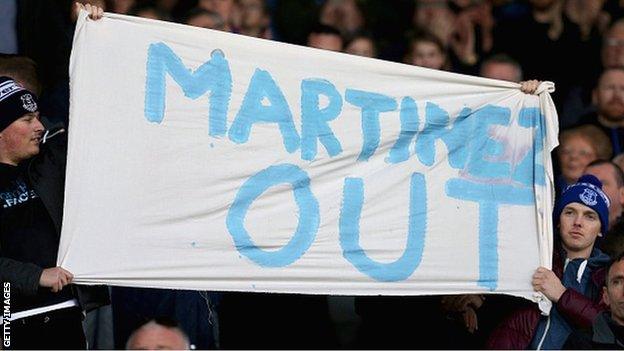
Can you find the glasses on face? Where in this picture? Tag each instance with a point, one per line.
(569, 152)
(613, 87)
(614, 42)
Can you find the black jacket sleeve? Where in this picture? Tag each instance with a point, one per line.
(24, 277)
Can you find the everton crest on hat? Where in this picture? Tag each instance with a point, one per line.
(586, 191)
(15, 101)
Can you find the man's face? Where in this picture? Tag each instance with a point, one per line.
(579, 227)
(156, 337)
(361, 47)
(613, 47)
(427, 54)
(252, 13)
(614, 292)
(205, 21)
(606, 174)
(575, 153)
(502, 71)
(325, 41)
(609, 95)
(20, 140)
(222, 7)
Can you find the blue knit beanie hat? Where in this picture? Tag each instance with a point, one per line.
(586, 191)
(15, 101)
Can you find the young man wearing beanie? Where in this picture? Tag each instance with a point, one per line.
(45, 311)
(574, 285)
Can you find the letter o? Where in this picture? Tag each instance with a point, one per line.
(309, 217)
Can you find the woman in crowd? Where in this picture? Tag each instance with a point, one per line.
(577, 148)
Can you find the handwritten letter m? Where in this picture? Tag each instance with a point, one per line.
(213, 76)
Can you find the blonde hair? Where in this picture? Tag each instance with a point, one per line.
(599, 141)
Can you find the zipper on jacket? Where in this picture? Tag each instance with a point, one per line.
(539, 346)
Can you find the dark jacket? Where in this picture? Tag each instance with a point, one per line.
(46, 174)
(613, 242)
(517, 331)
(605, 335)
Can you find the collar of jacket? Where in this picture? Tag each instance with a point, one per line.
(8, 173)
(603, 332)
(597, 260)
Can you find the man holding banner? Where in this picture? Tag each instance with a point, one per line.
(44, 312)
(574, 285)
(40, 307)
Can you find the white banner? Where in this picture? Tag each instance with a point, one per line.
(206, 160)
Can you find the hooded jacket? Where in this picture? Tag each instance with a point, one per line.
(518, 330)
